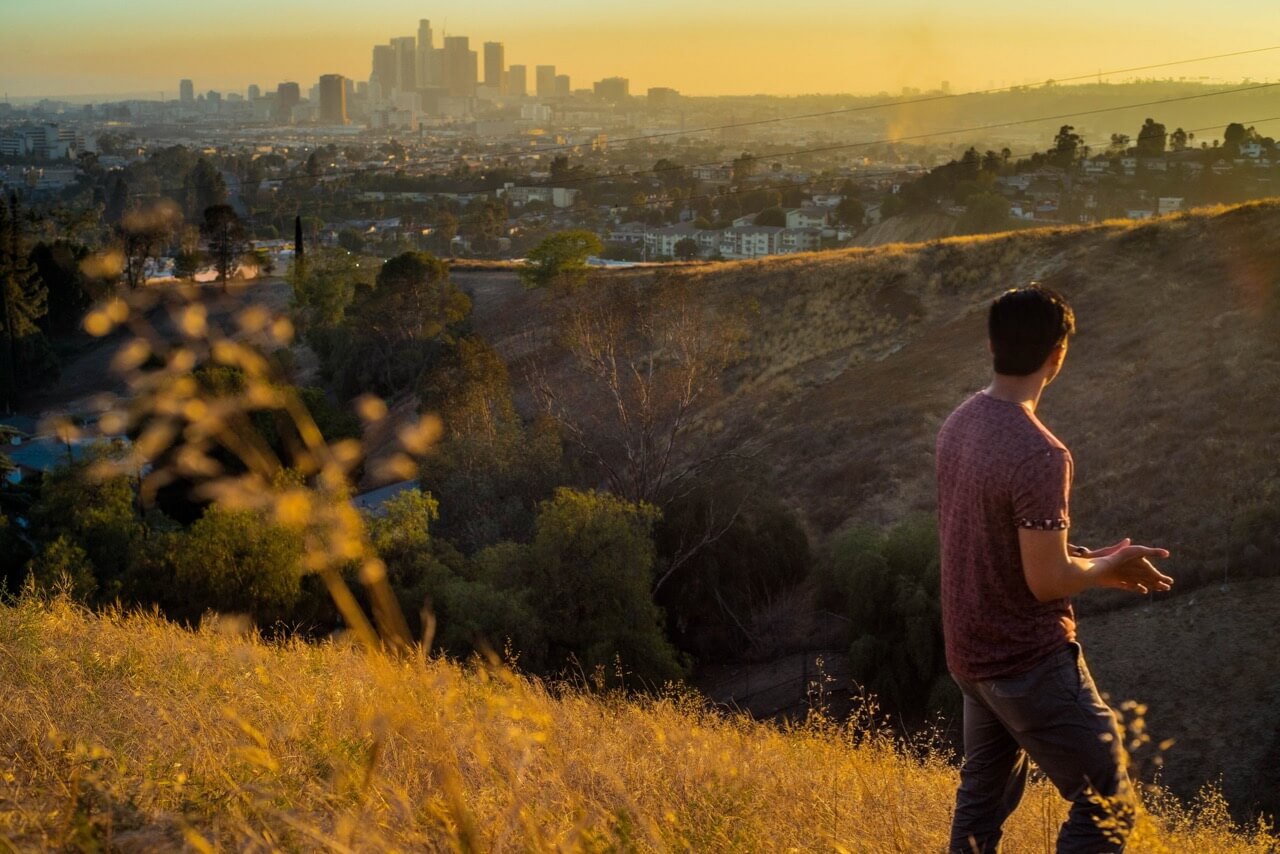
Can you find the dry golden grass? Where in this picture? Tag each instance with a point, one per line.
(128, 733)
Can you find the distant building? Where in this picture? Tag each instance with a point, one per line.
(428, 68)
(406, 52)
(660, 97)
(518, 80)
(288, 96)
(546, 81)
(613, 89)
(333, 99)
(385, 71)
(494, 65)
(563, 89)
(459, 67)
(187, 92)
(255, 92)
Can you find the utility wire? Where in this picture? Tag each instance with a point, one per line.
(844, 110)
(828, 180)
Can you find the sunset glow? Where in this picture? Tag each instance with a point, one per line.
(81, 47)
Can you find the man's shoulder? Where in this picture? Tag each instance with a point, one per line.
(997, 428)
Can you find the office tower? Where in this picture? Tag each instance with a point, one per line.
(460, 67)
(518, 80)
(546, 80)
(426, 47)
(187, 91)
(406, 50)
(613, 89)
(385, 70)
(333, 99)
(562, 89)
(255, 92)
(494, 64)
(288, 96)
(661, 97)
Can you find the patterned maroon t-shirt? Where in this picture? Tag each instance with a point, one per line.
(999, 469)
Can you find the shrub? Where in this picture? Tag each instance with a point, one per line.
(887, 584)
(588, 576)
(235, 561)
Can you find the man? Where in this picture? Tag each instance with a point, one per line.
(1008, 573)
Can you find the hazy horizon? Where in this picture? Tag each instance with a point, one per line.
(60, 48)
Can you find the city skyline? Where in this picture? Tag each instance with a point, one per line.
(61, 47)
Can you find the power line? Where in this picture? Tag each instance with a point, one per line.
(931, 134)
(801, 184)
(844, 110)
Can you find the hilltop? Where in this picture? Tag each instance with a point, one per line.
(1169, 399)
(130, 734)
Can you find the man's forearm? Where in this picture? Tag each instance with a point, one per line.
(1072, 575)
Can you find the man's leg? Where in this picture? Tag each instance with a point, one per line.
(992, 780)
(1060, 720)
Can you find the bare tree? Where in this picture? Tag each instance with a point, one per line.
(143, 234)
(644, 358)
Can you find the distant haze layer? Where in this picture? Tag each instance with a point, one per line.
(715, 47)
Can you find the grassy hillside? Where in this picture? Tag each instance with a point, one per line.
(130, 734)
(1169, 398)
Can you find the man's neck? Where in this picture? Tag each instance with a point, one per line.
(1025, 391)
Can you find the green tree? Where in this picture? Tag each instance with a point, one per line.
(471, 613)
(63, 564)
(887, 584)
(1152, 139)
(491, 470)
(99, 516)
(70, 292)
(143, 234)
(1067, 145)
(1233, 137)
(26, 359)
(560, 259)
(589, 571)
(226, 238)
(686, 249)
(771, 217)
(351, 240)
(984, 212)
(236, 561)
(203, 188)
(851, 212)
(399, 327)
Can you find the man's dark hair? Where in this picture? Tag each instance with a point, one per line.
(1025, 324)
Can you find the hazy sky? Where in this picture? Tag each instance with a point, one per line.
(697, 46)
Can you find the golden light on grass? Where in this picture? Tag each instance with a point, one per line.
(129, 730)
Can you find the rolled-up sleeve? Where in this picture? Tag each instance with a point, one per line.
(1042, 491)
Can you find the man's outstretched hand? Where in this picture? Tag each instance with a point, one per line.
(1128, 567)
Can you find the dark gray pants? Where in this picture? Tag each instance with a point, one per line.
(1054, 715)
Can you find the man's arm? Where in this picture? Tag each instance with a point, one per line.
(1052, 573)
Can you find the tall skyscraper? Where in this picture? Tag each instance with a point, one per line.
(187, 91)
(459, 66)
(385, 71)
(562, 86)
(518, 80)
(406, 50)
(613, 89)
(333, 99)
(546, 80)
(255, 92)
(288, 96)
(494, 64)
(427, 67)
